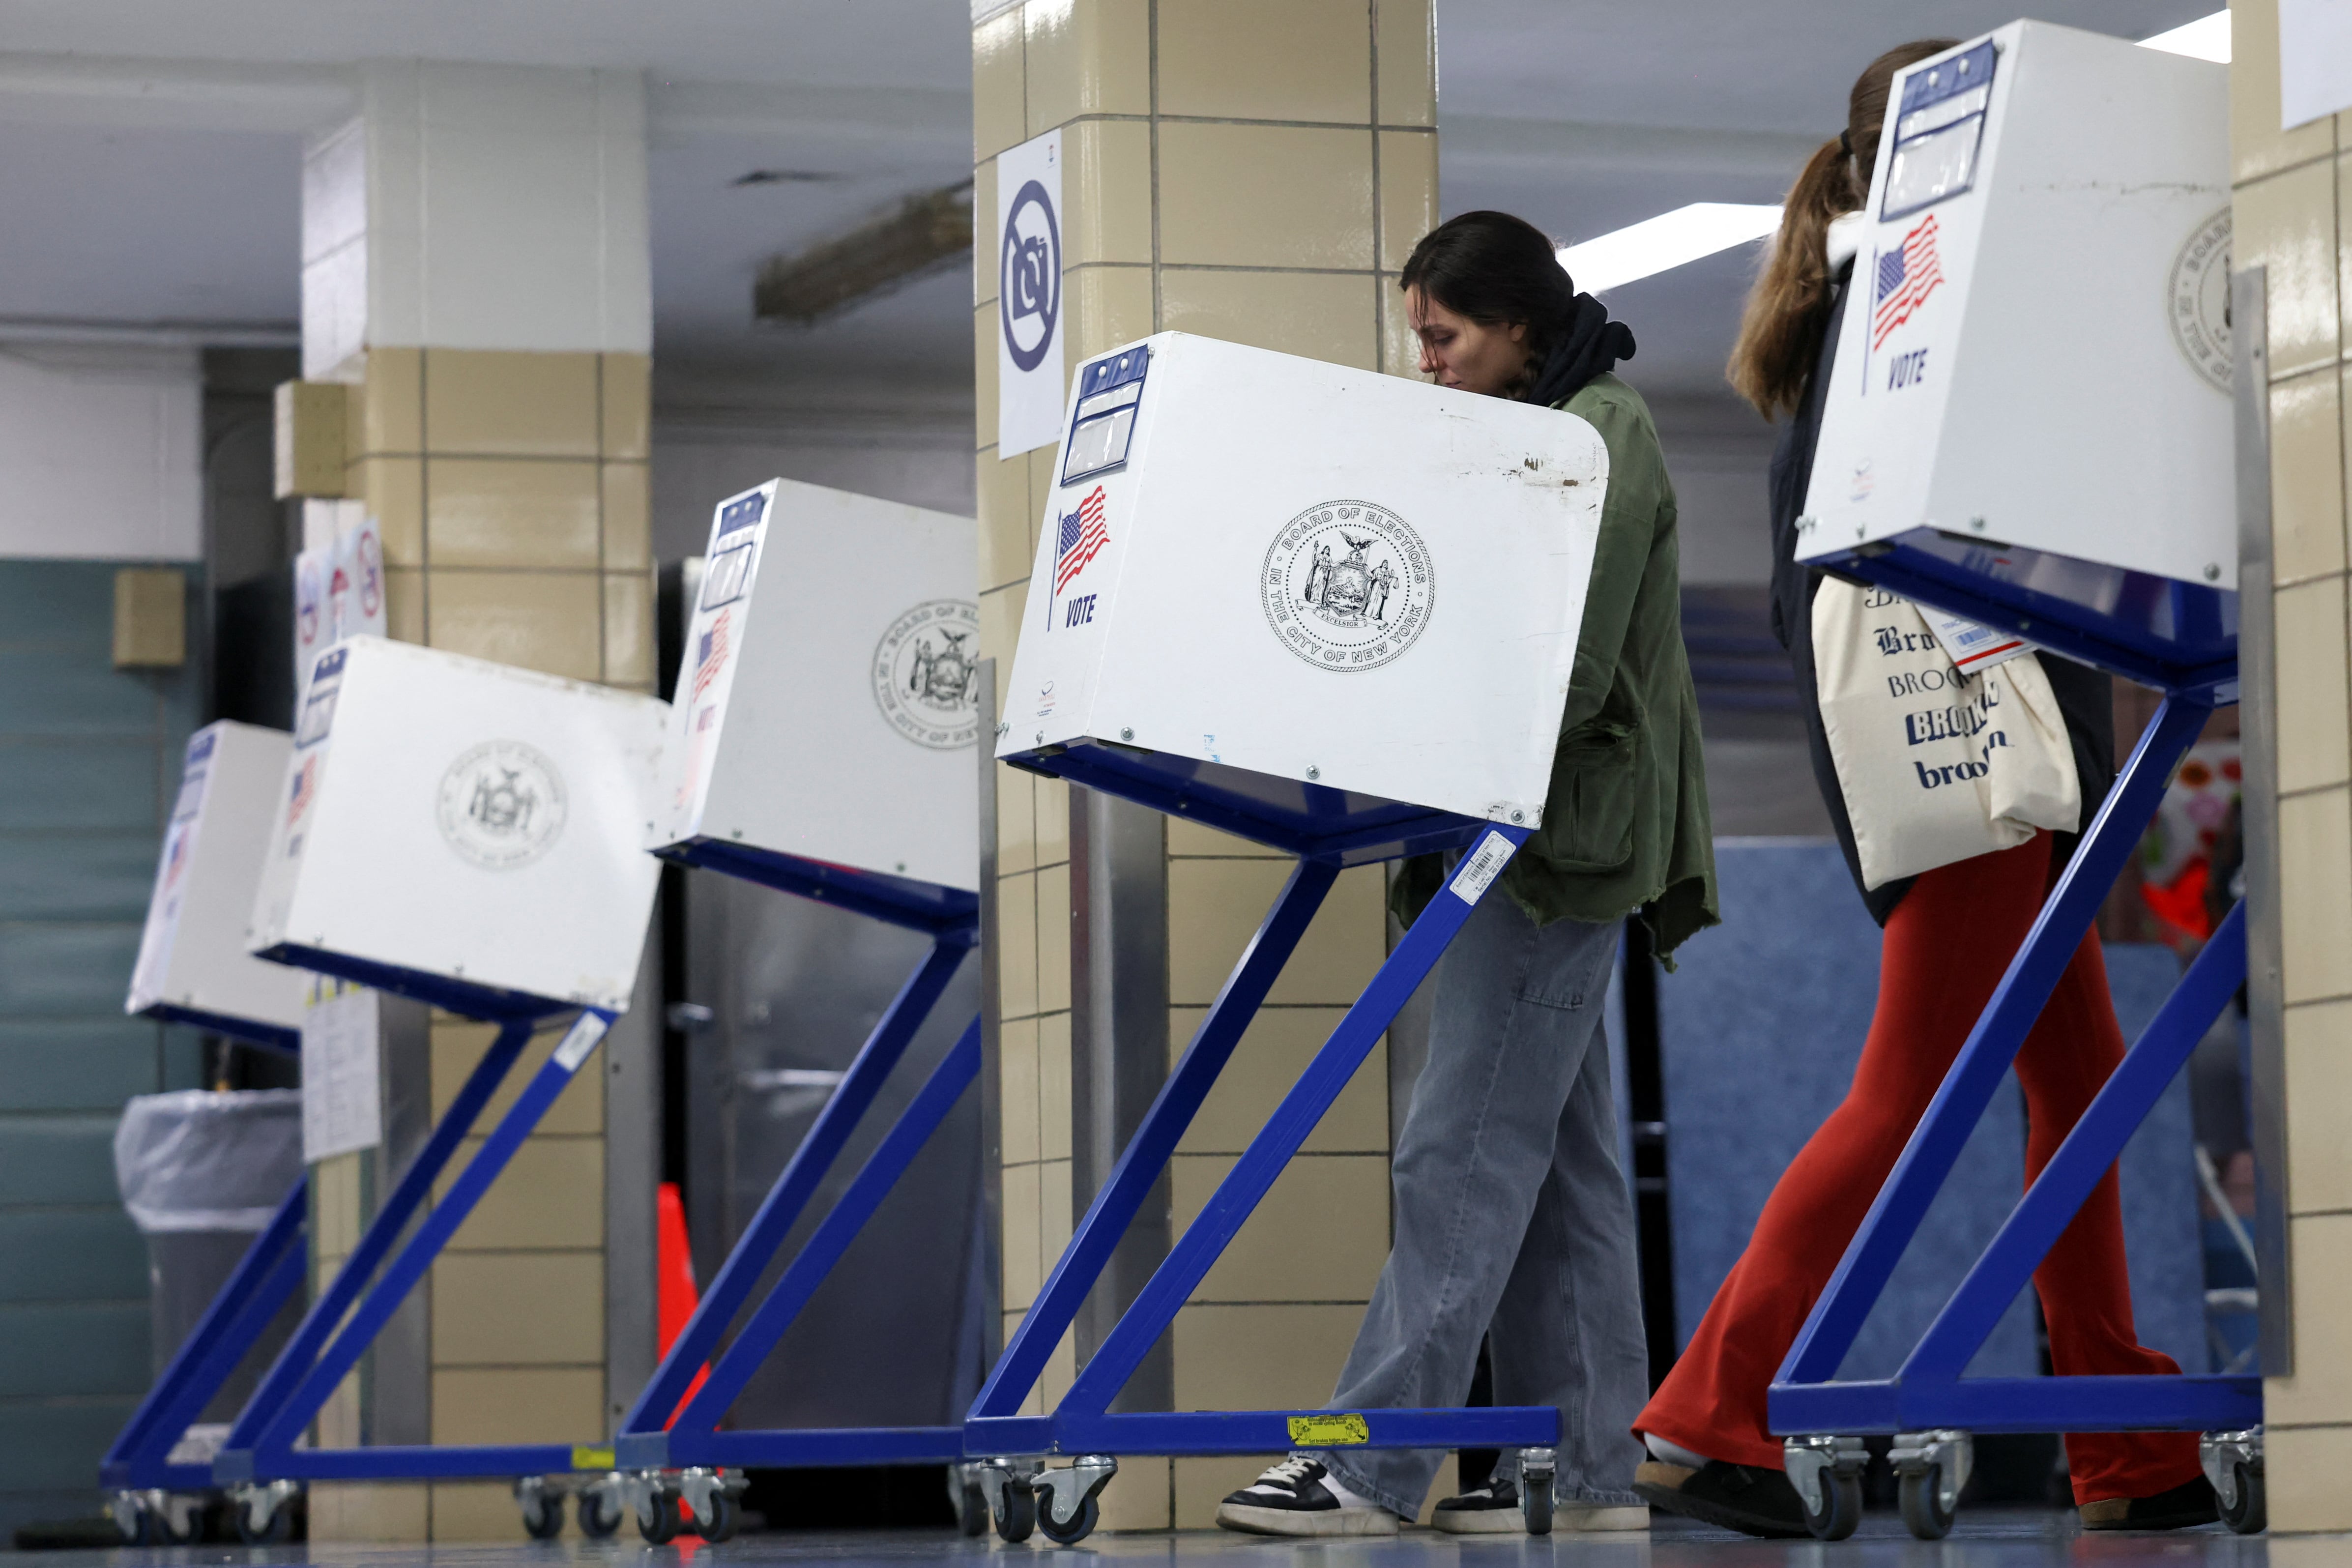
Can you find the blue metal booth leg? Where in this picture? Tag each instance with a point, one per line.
(1928, 1400)
(263, 1281)
(326, 1347)
(1082, 1424)
(666, 1429)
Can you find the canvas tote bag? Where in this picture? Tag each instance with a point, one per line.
(1936, 766)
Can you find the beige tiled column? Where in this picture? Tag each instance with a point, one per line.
(1256, 173)
(2289, 210)
(475, 267)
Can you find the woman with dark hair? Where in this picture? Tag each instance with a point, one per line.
(1949, 935)
(1511, 1219)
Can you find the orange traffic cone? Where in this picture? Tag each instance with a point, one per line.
(676, 1294)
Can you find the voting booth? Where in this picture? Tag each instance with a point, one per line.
(469, 836)
(1336, 613)
(2030, 426)
(823, 743)
(193, 967)
(464, 833)
(2029, 417)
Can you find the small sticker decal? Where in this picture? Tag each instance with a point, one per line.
(574, 1050)
(587, 1458)
(1328, 1431)
(1480, 868)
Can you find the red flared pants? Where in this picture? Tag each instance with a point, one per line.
(1945, 949)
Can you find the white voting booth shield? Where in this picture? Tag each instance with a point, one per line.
(453, 828)
(827, 727)
(1307, 597)
(193, 966)
(2032, 380)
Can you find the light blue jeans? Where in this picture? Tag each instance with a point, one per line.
(1512, 1219)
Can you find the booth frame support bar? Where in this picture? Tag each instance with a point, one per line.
(674, 1424)
(1081, 1423)
(263, 1281)
(261, 1445)
(1930, 1391)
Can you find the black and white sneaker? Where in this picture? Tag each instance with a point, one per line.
(1494, 1509)
(1299, 1497)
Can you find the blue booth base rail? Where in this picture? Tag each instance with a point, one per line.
(2198, 1403)
(1257, 1431)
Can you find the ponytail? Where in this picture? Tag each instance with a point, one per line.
(1786, 315)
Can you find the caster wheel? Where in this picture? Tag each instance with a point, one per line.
(971, 1509)
(2252, 1513)
(725, 1516)
(277, 1531)
(661, 1527)
(134, 1523)
(542, 1514)
(599, 1519)
(1924, 1514)
(1016, 1513)
(179, 1524)
(1074, 1531)
(1535, 1503)
(1842, 1507)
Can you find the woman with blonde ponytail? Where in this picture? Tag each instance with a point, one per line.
(1949, 935)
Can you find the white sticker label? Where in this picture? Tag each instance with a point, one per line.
(1480, 868)
(583, 1037)
(1973, 647)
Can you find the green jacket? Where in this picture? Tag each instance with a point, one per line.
(1625, 821)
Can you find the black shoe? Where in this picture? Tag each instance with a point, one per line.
(1292, 1498)
(1494, 1509)
(2187, 1505)
(1735, 1497)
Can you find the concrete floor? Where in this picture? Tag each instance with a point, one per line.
(1985, 1538)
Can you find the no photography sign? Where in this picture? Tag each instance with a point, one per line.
(1029, 296)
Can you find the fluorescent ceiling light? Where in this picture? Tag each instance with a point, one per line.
(1669, 240)
(2206, 38)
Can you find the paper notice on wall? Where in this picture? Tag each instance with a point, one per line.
(339, 592)
(1029, 296)
(2315, 60)
(342, 1096)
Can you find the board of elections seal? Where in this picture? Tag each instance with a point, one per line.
(927, 674)
(2197, 300)
(1347, 585)
(501, 805)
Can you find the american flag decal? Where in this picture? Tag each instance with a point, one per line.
(710, 657)
(1083, 537)
(1905, 279)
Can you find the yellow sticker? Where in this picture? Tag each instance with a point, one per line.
(592, 1459)
(1328, 1431)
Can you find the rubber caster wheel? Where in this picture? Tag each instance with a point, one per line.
(277, 1531)
(2251, 1515)
(1016, 1513)
(972, 1510)
(1841, 1508)
(661, 1527)
(1535, 1503)
(725, 1516)
(598, 1522)
(543, 1512)
(166, 1532)
(135, 1524)
(1924, 1514)
(1074, 1531)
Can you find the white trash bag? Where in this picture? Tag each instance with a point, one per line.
(199, 1159)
